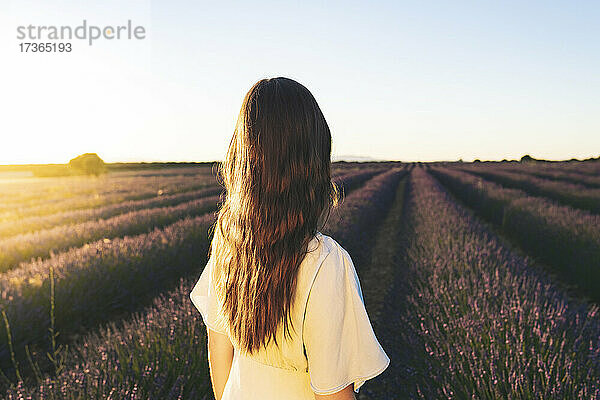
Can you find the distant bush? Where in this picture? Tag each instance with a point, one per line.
(88, 163)
(527, 158)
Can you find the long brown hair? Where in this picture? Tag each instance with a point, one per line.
(277, 177)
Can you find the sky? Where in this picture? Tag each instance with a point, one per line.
(408, 81)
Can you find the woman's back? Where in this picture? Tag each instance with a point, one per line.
(331, 345)
(282, 301)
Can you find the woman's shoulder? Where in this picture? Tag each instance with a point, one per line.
(332, 246)
(326, 248)
(334, 261)
(329, 243)
(323, 250)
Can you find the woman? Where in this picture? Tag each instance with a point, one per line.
(281, 301)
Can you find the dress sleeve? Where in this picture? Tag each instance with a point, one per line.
(340, 344)
(205, 299)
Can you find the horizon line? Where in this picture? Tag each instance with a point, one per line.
(348, 158)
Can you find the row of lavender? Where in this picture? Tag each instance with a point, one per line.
(479, 322)
(562, 237)
(589, 168)
(552, 172)
(37, 223)
(35, 191)
(573, 194)
(22, 248)
(353, 224)
(160, 353)
(138, 190)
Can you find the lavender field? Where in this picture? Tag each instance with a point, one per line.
(482, 280)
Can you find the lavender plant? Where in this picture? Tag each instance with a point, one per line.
(22, 248)
(564, 238)
(473, 320)
(37, 223)
(142, 188)
(576, 195)
(552, 172)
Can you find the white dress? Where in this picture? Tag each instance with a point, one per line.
(333, 344)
